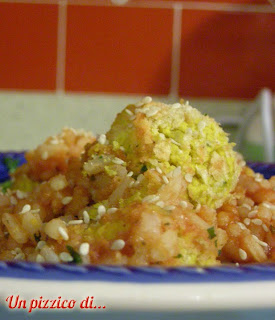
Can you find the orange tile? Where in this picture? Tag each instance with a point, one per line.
(227, 54)
(118, 49)
(28, 46)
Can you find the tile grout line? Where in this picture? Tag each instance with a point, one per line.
(185, 5)
(31, 1)
(61, 46)
(176, 50)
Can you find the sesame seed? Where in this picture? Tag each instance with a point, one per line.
(129, 112)
(122, 148)
(102, 139)
(84, 248)
(118, 161)
(244, 205)
(57, 184)
(159, 170)
(131, 183)
(75, 222)
(118, 244)
(65, 257)
(267, 205)
(101, 210)
(252, 214)
(40, 244)
(142, 110)
(265, 227)
(257, 222)
(188, 177)
(175, 142)
(147, 99)
(20, 194)
(129, 174)
(242, 226)
(150, 198)
(183, 204)
(144, 101)
(66, 200)
(262, 243)
(237, 264)
(243, 254)
(152, 111)
(187, 103)
(44, 155)
(247, 221)
(54, 141)
(162, 136)
(160, 204)
(242, 163)
(86, 217)
(25, 209)
(198, 207)
(189, 131)
(112, 210)
(20, 256)
(63, 233)
(169, 208)
(201, 125)
(176, 106)
(40, 258)
(165, 179)
(258, 180)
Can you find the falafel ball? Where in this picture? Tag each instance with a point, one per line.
(164, 137)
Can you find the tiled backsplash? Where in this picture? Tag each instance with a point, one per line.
(201, 48)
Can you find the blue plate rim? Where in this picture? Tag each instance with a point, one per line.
(109, 273)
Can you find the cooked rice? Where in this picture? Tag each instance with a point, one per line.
(54, 213)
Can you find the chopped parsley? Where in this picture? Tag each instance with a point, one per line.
(76, 256)
(167, 224)
(37, 236)
(143, 169)
(178, 256)
(216, 243)
(272, 229)
(5, 186)
(11, 164)
(211, 232)
(219, 252)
